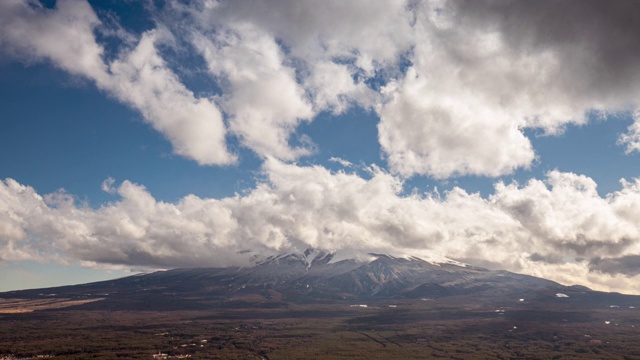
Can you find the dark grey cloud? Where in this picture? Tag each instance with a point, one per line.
(583, 245)
(597, 41)
(628, 265)
(547, 258)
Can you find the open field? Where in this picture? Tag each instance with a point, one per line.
(414, 329)
(267, 313)
(16, 306)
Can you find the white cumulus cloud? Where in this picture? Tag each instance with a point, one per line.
(455, 83)
(558, 228)
(139, 77)
(482, 72)
(262, 97)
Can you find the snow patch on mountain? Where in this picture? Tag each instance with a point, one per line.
(312, 257)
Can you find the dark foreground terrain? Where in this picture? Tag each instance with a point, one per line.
(289, 308)
(412, 330)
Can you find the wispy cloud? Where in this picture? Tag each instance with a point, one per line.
(341, 161)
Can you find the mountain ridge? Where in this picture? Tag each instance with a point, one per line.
(314, 276)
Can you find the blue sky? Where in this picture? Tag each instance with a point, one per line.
(143, 135)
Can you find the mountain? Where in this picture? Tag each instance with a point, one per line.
(317, 276)
(319, 305)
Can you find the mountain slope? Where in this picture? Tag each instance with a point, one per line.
(315, 276)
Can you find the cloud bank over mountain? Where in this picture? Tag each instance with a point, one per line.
(559, 228)
(457, 88)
